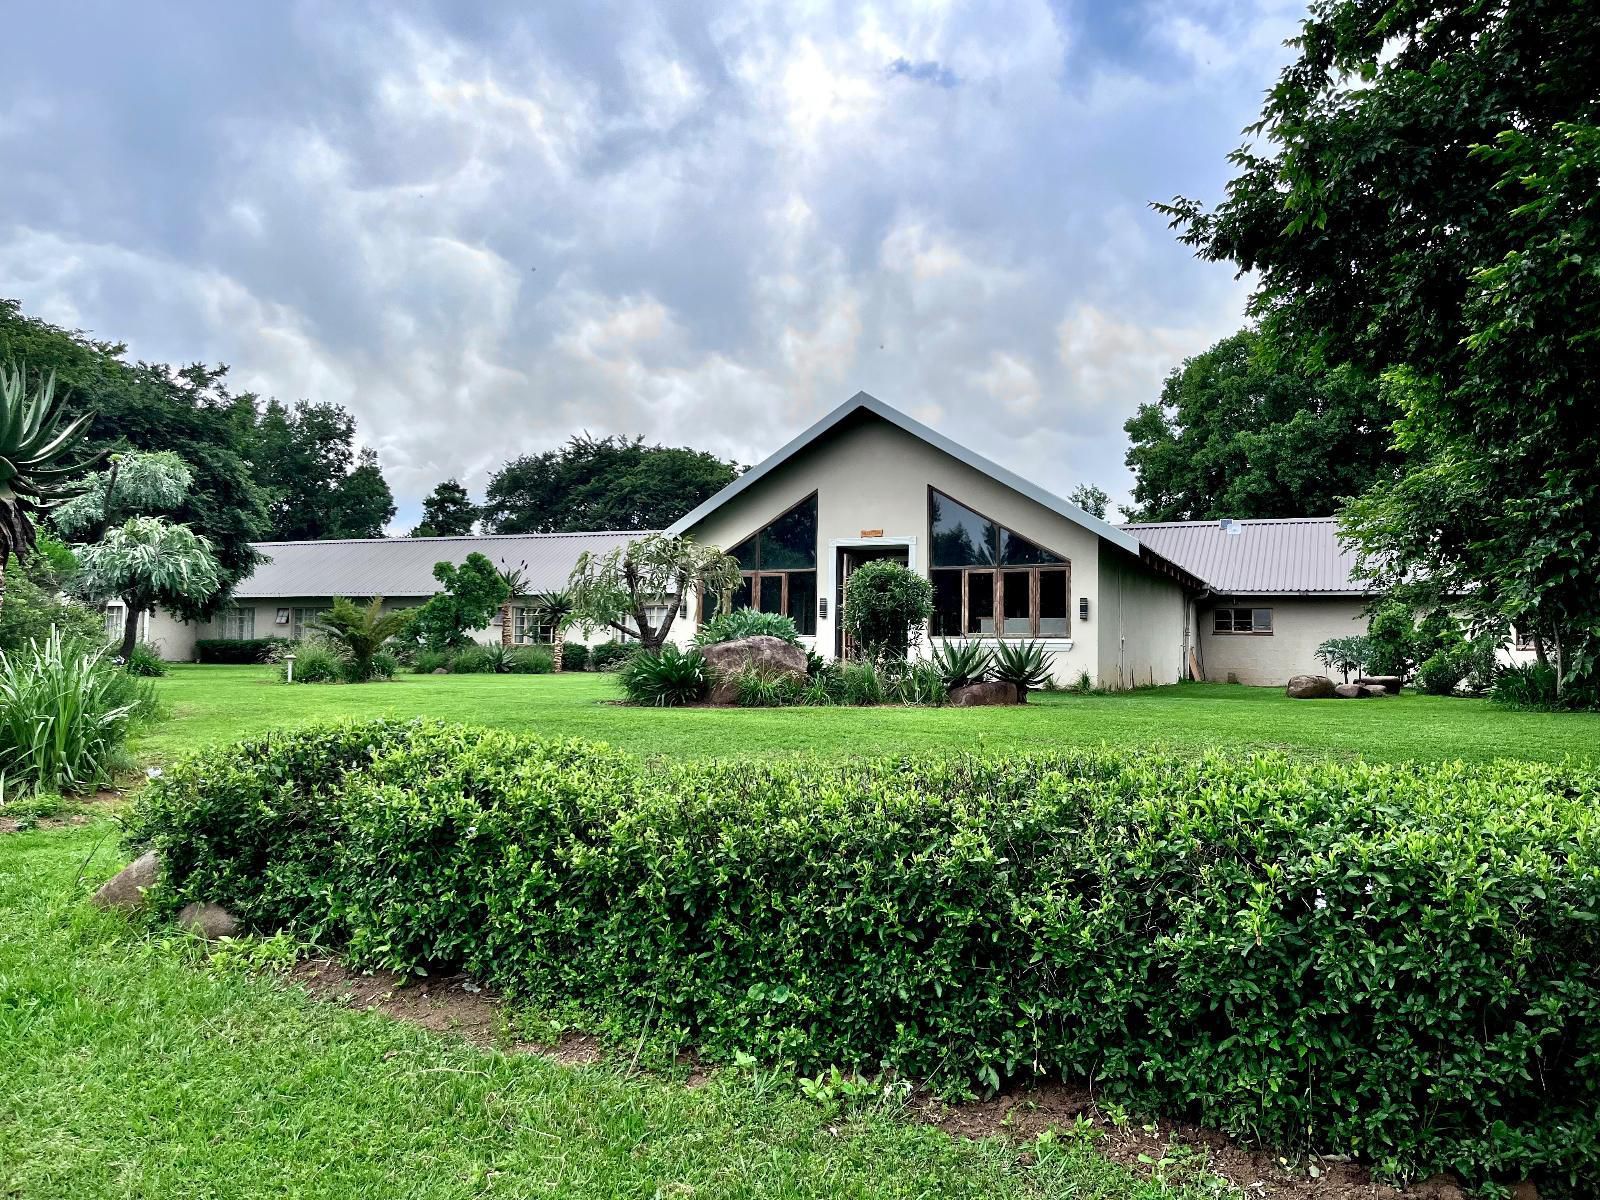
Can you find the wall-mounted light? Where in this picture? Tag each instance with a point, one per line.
(822, 608)
(1083, 608)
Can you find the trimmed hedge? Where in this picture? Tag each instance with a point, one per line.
(1396, 962)
(235, 651)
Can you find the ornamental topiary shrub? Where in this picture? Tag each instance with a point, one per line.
(1396, 962)
(885, 607)
(236, 652)
(746, 622)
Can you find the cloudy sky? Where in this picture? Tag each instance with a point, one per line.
(484, 227)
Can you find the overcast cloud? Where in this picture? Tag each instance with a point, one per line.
(483, 228)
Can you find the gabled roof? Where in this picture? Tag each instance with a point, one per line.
(862, 402)
(1287, 556)
(403, 567)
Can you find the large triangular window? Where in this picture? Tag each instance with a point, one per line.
(990, 581)
(779, 568)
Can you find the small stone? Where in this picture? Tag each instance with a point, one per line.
(441, 671)
(210, 921)
(127, 887)
(1310, 687)
(977, 695)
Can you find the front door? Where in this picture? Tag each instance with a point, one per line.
(851, 557)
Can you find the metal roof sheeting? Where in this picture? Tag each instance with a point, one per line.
(1289, 556)
(404, 566)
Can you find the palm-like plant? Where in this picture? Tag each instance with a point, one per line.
(558, 610)
(35, 476)
(516, 581)
(362, 632)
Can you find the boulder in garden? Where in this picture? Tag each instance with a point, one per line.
(1310, 687)
(975, 695)
(210, 921)
(127, 887)
(771, 656)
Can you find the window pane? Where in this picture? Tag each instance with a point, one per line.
(803, 601)
(960, 536)
(946, 603)
(1016, 550)
(1053, 604)
(980, 602)
(742, 594)
(1018, 619)
(1222, 621)
(745, 552)
(791, 540)
(771, 593)
(1262, 620)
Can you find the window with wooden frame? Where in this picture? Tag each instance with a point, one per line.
(1241, 620)
(525, 630)
(778, 566)
(989, 581)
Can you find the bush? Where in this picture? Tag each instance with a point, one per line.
(1391, 640)
(1198, 936)
(861, 684)
(667, 678)
(883, 604)
(1022, 665)
(1345, 654)
(33, 607)
(574, 656)
(313, 663)
(145, 662)
(234, 651)
(531, 660)
(746, 622)
(1442, 672)
(426, 662)
(1532, 685)
(381, 666)
(914, 682)
(757, 689)
(610, 656)
(473, 660)
(65, 716)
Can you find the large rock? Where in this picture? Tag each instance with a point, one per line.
(1389, 683)
(771, 656)
(210, 921)
(1311, 687)
(1375, 690)
(974, 695)
(1350, 691)
(127, 887)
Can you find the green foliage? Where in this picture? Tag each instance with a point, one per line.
(1530, 686)
(759, 689)
(574, 656)
(37, 442)
(1247, 429)
(664, 678)
(447, 511)
(1391, 640)
(33, 607)
(321, 483)
(1023, 665)
(145, 662)
(360, 632)
(470, 596)
(473, 659)
(530, 660)
(134, 484)
(426, 662)
(746, 622)
(1179, 930)
(383, 665)
(860, 683)
(617, 590)
(885, 605)
(148, 562)
(314, 662)
(65, 716)
(1093, 500)
(602, 483)
(237, 650)
(610, 656)
(961, 663)
(558, 611)
(1345, 654)
(914, 682)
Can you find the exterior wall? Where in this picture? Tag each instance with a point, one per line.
(871, 475)
(172, 636)
(1299, 625)
(1143, 624)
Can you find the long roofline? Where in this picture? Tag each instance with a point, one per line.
(460, 537)
(861, 401)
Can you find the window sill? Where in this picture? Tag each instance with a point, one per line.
(1240, 633)
(1059, 644)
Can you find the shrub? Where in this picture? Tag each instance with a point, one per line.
(1344, 654)
(530, 660)
(1443, 672)
(883, 604)
(473, 660)
(610, 656)
(914, 682)
(360, 632)
(961, 663)
(1391, 640)
(1198, 936)
(145, 662)
(380, 666)
(574, 656)
(1531, 685)
(65, 716)
(1022, 665)
(860, 683)
(314, 662)
(665, 678)
(746, 622)
(757, 689)
(33, 607)
(228, 650)
(499, 658)
(426, 662)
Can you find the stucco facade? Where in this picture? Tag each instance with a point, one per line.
(1299, 625)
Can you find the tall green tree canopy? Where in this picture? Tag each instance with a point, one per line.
(1246, 430)
(322, 484)
(468, 599)
(602, 483)
(1425, 208)
(447, 511)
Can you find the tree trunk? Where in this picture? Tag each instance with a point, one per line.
(2, 584)
(558, 652)
(130, 630)
(505, 624)
(1539, 655)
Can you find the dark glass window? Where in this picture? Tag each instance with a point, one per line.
(771, 593)
(1243, 620)
(1018, 609)
(946, 603)
(741, 595)
(980, 602)
(803, 601)
(1053, 620)
(745, 552)
(1018, 551)
(961, 538)
(780, 568)
(790, 542)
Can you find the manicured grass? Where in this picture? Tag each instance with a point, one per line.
(129, 1070)
(212, 704)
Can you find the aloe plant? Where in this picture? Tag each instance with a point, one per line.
(961, 663)
(557, 610)
(36, 442)
(1023, 665)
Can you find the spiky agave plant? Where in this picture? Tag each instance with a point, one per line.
(35, 475)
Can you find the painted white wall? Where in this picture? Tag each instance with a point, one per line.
(1141, 624)
(1299, 625)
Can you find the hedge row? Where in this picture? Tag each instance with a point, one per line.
(1400, 963)
(236, 650)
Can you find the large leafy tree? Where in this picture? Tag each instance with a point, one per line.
(447, 511)
(321, 483)
(1246, 430)
(468, 599)
(617, 590)
(602, 483)
(1425, 208)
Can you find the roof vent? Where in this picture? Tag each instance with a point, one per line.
(1229, 525)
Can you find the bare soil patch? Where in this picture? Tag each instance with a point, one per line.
(78, 810)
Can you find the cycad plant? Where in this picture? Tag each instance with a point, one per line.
(36, 442)
(361, 632)
(558, 610)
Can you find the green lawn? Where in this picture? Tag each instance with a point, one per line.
(213, 704)
(129, 1070)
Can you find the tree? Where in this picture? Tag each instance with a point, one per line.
(362, 631)
(885, 607)
(620, 587)
(36, 444)
(1091, 499)
(321, 485)
(1428, 210)
(145, 562)
(448, 511)
(516, 581)
(558, 611)
(602, 483)
(467, 600)
(1246, 430)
